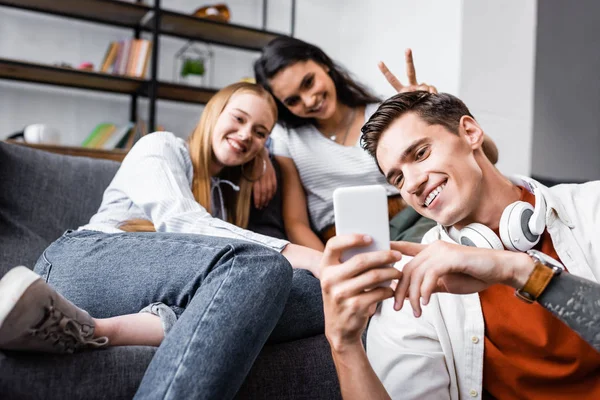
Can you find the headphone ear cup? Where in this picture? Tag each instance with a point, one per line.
(454, 234)
(514, 227)
(479, 235)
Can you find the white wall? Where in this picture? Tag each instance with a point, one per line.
(46, 39)
(367, 32)
(567, 94)
(497, 75)
(481, 50)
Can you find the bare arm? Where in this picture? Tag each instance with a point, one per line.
(356, 376)
(444, 267)
(265, 187)
(295, 214)
(349, 299)
(303, 257)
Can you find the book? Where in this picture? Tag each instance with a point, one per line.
(115, 66)
(109, 57)
(117, 135)
(103, 137)
(122, 67)
(127, 57)
(146, 51)
(132, 57)
(93, 137)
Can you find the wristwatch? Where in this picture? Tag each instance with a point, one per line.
(545, 269)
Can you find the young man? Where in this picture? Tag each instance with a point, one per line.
(486, 345)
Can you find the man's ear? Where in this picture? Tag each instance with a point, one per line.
(472, 131)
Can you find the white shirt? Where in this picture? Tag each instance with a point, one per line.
(324, 165)
(440, 354)
(154, 182)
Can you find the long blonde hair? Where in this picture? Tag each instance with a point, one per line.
(237, 204)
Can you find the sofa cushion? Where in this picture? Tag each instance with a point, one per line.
(43, 194)
(302, 369)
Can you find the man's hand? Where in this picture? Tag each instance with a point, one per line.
(412, 85)
(452, 268)
(264, 189)
(350, 292)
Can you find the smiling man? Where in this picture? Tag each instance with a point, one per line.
(488, 345)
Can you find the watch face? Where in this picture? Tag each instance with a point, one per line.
(545, 259)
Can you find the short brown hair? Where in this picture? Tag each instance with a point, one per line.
(435, 109)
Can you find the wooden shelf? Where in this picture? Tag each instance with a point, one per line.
(131, 15)
(66, 77)
(111, 12)
(231, 35)
(40, 73)
(183, 93)
(115, 155)
(139, 18)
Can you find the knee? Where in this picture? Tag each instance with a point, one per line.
(263, 261)
(278, 267)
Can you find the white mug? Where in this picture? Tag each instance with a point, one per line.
(41, 134)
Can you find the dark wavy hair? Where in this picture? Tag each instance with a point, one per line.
(435, 109)
(284, 51)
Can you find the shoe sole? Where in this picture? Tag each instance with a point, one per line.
(12, 286)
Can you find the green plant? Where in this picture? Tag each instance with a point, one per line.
(192, 66)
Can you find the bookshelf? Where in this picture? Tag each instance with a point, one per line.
(66, 77)
(115, 155)
(140, 18)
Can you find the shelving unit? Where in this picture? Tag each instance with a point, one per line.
(140, 18)
(74, 78)
(115, 155)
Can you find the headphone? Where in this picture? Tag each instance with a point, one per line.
(521, 225)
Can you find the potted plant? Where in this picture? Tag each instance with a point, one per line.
(192, 71)
(192, 65)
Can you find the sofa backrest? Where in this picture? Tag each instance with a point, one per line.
(42, 195)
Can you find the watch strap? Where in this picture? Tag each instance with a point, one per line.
(537, 282)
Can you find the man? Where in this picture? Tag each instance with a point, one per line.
(487, 345)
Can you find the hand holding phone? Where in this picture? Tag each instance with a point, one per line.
(362, 210)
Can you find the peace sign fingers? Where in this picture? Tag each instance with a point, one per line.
(390, 77)
(410, 68)
(413, 84)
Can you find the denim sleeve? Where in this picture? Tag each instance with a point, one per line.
(576, 302)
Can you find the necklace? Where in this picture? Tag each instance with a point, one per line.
(349, 125)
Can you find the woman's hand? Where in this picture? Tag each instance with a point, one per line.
(413, 85)
(304, 258)
(488, 146)
(264, 189)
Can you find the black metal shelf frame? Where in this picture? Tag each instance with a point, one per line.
(156, 21)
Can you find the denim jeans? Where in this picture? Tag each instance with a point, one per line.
(228, 296)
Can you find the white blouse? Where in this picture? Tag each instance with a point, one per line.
(154, 182)
(324, 165)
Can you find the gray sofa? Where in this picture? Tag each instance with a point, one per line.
(44, 194)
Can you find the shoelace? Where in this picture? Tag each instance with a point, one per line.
(64, 333)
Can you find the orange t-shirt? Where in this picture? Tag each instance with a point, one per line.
(529, 353)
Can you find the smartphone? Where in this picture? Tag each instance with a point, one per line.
(362, 210)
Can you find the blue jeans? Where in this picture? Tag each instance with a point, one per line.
(228, 296)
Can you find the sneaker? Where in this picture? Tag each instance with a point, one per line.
(34, 317)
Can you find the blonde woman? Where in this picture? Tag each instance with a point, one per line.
(226, 287)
